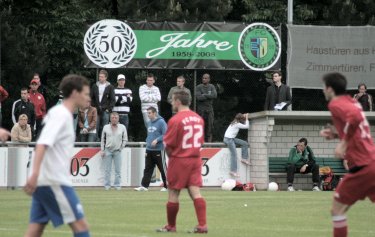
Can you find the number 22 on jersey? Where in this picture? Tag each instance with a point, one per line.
(192, 136)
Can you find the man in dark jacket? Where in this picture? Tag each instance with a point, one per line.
(24, 106)
(103, 99)
(302, 160)
(277, 94)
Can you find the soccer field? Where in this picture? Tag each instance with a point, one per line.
(128, 213)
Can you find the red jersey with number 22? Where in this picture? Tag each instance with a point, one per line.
(184, 136)
(352, 126)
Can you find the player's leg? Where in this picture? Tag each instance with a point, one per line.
(117, 163)
(159, 163)
(200, 209)
(35, 230)
(107, 162)
(80, 228)
(290, 170)
(338, 212)
(172, 208)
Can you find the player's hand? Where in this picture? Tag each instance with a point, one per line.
(303, 169)
(341, 150)
(327, 133)
(4, 134)
(31, 185)
(154, 142)
(102, 154)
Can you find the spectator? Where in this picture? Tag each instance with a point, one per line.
(155, 133)
(21, 131)
(363, 98)
(3, 96)
(150, 96)
(180, 86)
(37, 99)
(277, 94)
(241, 121)
(87, 123)
(123, 98)
(24, 106)
(205, 94)
(302, 160)
(103, 99)
(42, 89)
(114, 138)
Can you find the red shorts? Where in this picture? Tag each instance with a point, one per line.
(184, 172)
(357, 186)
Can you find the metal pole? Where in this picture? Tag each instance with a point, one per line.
(290, 12)
(195, 91)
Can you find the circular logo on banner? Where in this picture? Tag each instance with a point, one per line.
(259, 46)
(110, 43)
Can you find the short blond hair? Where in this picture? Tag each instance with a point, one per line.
(23, 116)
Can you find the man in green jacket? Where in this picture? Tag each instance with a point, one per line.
(302, 160)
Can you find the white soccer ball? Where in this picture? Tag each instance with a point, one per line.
(228, 184)
(273, 186)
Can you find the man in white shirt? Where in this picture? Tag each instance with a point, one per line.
(53, 197)
(150, 96)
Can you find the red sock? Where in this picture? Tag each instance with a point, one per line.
(340, 226)
(172, 210)
(200, 210)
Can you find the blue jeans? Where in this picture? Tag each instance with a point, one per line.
(110, 156)
(145, 118)
(124, 119)
(102, 120)
(231, 143)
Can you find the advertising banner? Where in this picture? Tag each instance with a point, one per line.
(207, 45)
(316, 50)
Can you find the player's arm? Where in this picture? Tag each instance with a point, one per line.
(40, 150)
(353, 118)
(169, 138)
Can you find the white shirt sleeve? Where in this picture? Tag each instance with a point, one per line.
(243, 126)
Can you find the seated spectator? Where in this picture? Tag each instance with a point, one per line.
(302, 160)
(21, 131)
(87, 123)
(241, 121)
(363, 98)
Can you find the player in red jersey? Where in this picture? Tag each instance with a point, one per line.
(356, 146)
(183, 142)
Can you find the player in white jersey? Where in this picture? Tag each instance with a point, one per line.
(53, 197)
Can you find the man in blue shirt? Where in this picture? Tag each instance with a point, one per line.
(156, 129)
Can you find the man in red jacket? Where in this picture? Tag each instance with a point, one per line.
(37, 99)
(3, 96)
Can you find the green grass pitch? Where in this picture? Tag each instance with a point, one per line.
(127, 213)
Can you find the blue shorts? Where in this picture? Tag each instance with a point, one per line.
(60, 204)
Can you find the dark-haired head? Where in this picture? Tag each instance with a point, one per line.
(335, 85)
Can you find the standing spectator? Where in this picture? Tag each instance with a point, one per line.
(87, 123)
(114, 138)
(363, 98)
(21, 131)
(123, 98)
(206, 93)
(24, 106)
(150, 96)
(277, 94)
(302, 160)
(3, 96)
(241, 121)
(42, 89)
(155, 133)
(180, 86)
(37, 99)
(103, 99)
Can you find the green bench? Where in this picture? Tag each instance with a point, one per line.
(277, 165)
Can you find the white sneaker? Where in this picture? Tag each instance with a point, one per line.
(291, 189)
(316, 188)
(141, 188)
(163, 190)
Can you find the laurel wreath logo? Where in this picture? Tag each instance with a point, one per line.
(130, 45)
(90, 44)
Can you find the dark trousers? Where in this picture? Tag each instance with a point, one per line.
(208, 117)
(38, 127)
(292, 169)
(153, 158)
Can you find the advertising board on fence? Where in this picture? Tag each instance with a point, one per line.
(316, 50)
(207, 45)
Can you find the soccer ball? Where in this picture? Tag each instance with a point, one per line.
(273, 186)
(228, 185)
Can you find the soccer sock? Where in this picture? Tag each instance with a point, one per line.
(340, 226)
(82, 234)
(172, 210)
(200, 210)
